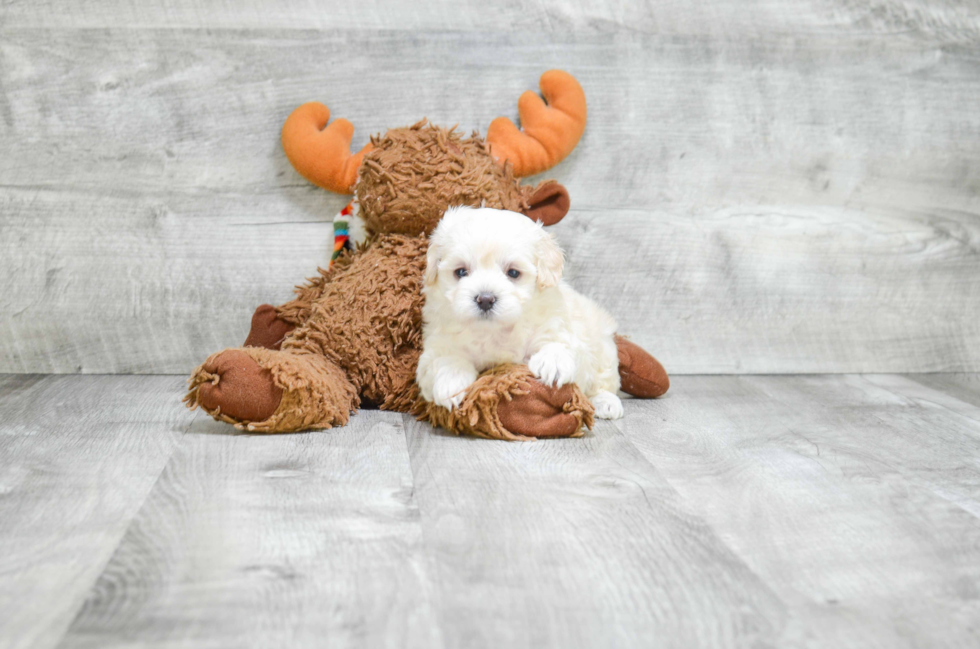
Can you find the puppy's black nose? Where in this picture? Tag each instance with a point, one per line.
(485, 301)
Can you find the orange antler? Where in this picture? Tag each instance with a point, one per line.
(322, 155)
(550, 131)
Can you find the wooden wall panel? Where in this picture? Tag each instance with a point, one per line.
(782, 202)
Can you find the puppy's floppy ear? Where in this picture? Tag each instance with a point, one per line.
(550, 261)
(437, 241)
(432, 258)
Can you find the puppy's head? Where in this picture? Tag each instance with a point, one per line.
(488, 264)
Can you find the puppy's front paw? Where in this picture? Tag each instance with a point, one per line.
(607, 406)
(450, 386)
(553, 365)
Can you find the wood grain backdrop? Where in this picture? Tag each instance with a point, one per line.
(763, 187)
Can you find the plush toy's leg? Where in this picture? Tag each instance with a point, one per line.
(268, 330)
(271, 324)
(640, 374)
(507, 402)
(262, 390)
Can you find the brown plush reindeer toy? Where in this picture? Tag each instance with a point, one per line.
(352, 337)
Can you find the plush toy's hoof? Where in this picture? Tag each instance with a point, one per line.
(640, 374)
(267, 329)
(240, 389)
(540, 412)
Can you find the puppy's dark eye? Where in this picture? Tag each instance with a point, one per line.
(513, 273)
(460, 273)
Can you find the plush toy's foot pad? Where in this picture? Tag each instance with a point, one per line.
(540, 412)
(267, 329)
(268, 391)
(640, 374)
(238, 387)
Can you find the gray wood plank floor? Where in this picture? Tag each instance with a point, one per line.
(818, 511)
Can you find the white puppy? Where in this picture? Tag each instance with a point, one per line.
(493, 294)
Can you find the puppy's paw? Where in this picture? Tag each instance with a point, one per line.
(450, 386)
(607, 406)
(553, 365)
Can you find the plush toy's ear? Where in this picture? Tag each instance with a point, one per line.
(549, 203)
(551, 261)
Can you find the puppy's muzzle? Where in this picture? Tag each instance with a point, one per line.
(485, 301)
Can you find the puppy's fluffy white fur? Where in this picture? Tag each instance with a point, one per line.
(528, 314)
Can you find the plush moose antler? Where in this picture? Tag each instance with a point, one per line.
(550, 132)
(322, 155)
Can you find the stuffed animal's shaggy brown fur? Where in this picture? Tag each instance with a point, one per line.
(357, 335)
(352, 336)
